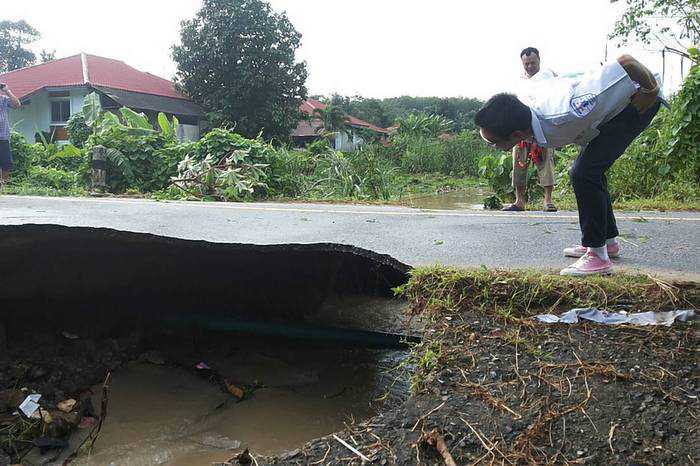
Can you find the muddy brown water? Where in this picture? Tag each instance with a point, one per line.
(455, 200)
(171, 415)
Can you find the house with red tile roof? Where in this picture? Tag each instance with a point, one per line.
(53, 91)
(311, 128)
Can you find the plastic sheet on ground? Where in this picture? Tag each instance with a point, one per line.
(616, 318)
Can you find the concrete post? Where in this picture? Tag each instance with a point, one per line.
(99, 168)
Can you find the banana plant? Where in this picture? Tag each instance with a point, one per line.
(168, 129)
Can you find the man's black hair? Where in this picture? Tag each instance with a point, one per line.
(529, 51)
(503, 114)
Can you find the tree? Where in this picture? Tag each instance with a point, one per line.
(47, 55)
(14, 35)
(237, 59)
(674, 22)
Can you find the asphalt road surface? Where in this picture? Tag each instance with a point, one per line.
(667, 243)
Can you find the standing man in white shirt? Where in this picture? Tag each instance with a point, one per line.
(525, 151)
(603, 112)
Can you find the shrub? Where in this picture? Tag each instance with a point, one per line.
(497, 170)
(220, 142)
(68, 158)
(462, 154)
(49, 177)
(78, 130)
(362, 174)
(22, 153)
(319, 146)
(421, 154)
(290, 172)
(453, 155)
(134, 161)
(424, 124)
(234, 177)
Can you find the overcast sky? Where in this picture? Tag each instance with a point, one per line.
(375, 48)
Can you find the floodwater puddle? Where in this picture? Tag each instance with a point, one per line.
(464, 199)
(172, 415)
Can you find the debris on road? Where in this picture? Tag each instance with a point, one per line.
(30, 405)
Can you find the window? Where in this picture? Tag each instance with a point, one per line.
(60, 111)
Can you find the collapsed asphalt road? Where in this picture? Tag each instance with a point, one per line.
(665, 243)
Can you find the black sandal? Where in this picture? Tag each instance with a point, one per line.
(513, 208)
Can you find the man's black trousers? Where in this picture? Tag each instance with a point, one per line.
(595, 211)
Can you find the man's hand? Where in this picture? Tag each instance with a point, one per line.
(648, 92)
(14, 101)
(644, 99)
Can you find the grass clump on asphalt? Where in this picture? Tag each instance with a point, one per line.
(523, 293)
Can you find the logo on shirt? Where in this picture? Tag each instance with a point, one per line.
(583, 104)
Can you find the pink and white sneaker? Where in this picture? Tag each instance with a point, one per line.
(580, 251)
(589, 264)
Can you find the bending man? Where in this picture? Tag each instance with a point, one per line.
(603, 112)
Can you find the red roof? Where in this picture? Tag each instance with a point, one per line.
(310, 105)
(84, 69)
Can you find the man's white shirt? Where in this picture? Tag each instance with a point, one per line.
(569, 110)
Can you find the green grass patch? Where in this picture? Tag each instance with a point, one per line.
(523, 293)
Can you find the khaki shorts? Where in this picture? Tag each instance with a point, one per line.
(545, 170)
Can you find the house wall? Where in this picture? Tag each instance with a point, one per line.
(348, 142)
(36, 116)
(188, 132)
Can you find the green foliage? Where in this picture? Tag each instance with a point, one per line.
(361, 174)
(22, 153)
(370, 110)
(220, 142)
(78, 130)
(457, 154)
(137, 121)
(497, 168)
(92, 109)
(419, 154)
(319, 147)
(291, 172)
(677, 20)
(334, 119)
(423, 124)
(47, 55)
(237, 58)
(14, 36)
(231, 178)
(384, 112)
(493, 203)
(138, 157)
(50, 177)
(167, 128)
(68, 158)
(135, 161)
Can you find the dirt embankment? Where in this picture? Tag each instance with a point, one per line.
(493, 386)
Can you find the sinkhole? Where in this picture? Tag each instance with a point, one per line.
(211, 348)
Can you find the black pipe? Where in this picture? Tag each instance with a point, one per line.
(364, 338)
